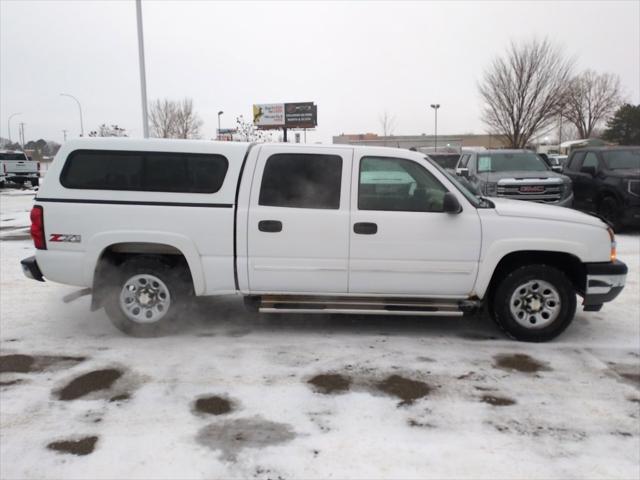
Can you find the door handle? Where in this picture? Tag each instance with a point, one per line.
(271, 226)
(365, 228)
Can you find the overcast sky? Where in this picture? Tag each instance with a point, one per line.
(354, 59)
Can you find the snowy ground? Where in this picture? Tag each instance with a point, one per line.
(410, 397)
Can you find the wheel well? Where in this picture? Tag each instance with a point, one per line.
(113, 256)
(571, 265)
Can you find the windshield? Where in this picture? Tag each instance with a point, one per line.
(622, 159)
(476, 200)
(506, 162)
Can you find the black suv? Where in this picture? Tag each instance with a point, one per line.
(606, 180)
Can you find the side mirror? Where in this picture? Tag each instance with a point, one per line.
(590, 170)
(450, 203)
(557, 168)
(463, 172)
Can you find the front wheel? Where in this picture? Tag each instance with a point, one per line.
(146, 298)
(534, 303)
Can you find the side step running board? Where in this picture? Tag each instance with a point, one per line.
(364, 305)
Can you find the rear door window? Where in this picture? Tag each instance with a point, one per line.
(302, 180)
(144, 171)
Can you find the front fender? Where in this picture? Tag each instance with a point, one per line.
(100, 242)
(501, 248)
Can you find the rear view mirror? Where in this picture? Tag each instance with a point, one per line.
(557, 168)
(450, 203)
(463, 172)
(590, 170)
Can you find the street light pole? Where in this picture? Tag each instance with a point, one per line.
(219, 114)
(79, 109)
(143, 75)
(435, 107)
(9, 123)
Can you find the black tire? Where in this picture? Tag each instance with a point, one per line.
(507, 321)
(176, 281)
(609, 209)
(35, 182)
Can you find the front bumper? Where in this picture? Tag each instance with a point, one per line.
(604, 282)
(31, 269)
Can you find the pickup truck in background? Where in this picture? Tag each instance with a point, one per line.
(147, 224)
(515, 174)
(606, 180)
(19, 168)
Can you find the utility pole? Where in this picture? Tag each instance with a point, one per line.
(435, 107)
(143, 75)
(64, 133)
(22, 135)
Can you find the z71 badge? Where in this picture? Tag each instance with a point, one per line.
(62, 237)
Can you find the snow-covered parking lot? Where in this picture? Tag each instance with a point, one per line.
(237, 395)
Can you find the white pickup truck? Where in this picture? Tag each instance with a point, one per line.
(309, 229)
(19, 168)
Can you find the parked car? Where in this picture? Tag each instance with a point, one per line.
(606, 180)
(448, 161)
(516, 174)
(19, 168)
(146, 224)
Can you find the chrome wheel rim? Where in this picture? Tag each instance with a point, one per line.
(535, 304)
(145, 298)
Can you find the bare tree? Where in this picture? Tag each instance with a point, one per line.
(163, 117)
(174, 119)
(188, 122)
(524, 90)
(388, 123)
(590, 99)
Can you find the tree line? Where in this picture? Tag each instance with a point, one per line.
(532, 88)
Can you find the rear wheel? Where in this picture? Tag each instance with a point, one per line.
(610, 210)
(534, 303)
(147, 297)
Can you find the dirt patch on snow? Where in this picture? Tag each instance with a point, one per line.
(406, 389)
(19, 363)
(231, 436)
(330, 383)
(520, 362)
(213, 405)
(497, 401)
(89, 382)
(120, 398)
(83, 446)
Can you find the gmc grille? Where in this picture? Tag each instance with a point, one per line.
(545, 193)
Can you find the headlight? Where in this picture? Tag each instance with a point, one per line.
(490, 189)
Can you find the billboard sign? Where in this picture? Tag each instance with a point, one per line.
(285, 115)
(268, 115)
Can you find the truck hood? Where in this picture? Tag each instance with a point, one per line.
(520, 208)
(521, 175)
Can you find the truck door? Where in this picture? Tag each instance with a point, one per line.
(402, 242)
(298, 230)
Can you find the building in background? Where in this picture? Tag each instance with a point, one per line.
(446, 143)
